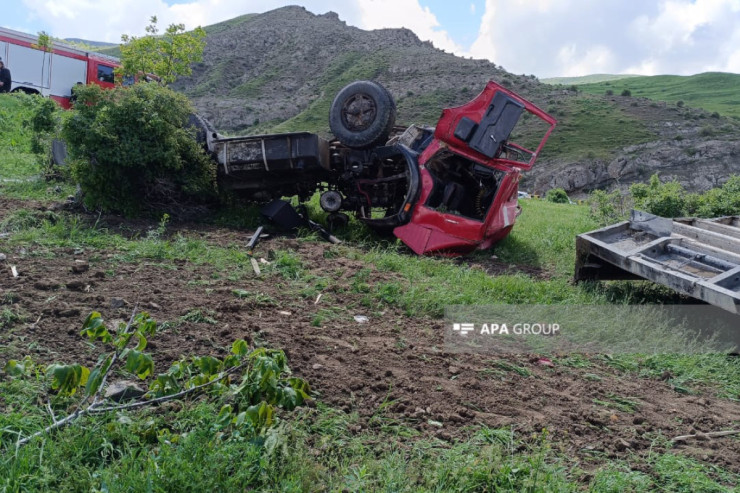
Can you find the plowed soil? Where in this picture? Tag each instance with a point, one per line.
(392, 367)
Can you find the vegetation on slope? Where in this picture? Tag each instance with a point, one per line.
(712, 91)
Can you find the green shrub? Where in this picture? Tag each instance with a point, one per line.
(608, 208)
(662, 199)
(626, 92)
(131, 150)
(557, 195)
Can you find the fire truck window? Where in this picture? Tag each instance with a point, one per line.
(105, 74)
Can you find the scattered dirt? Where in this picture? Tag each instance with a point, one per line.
(392, 367)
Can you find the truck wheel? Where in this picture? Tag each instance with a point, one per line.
(362, 114)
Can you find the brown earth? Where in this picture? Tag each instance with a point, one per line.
(392, 368)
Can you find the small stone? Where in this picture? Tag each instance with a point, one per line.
(48, 285)
(317, 366)
(453, 370)
(117, 303)
(3, 257)
(80, 266)
(123, 390)
(76, 285)
(621, 444)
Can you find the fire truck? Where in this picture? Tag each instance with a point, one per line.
(52, 73)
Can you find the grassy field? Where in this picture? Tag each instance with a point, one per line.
(712, 91)
(323, 448)
(586, 79)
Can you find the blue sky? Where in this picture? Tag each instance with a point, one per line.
(547, 38)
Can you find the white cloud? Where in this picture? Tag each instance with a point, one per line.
(106, 20)
(578, 37)
(472, 8)
(595, 59)
(377, 14)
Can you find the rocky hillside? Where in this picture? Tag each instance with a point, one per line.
(280, 70)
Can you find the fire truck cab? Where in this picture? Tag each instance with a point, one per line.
(52, 74)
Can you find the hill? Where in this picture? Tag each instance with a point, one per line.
(586, 79)
(279, 71)
(712, 91)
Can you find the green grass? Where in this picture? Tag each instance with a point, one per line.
(586, 79)
(316, 450)
(712, 91)
(592, 126)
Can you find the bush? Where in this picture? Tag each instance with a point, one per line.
(610, 92)
(557, 195)
(662, 199)
(608, 208)
(131, 150)
(626, 92)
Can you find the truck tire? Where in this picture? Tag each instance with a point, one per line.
(362, 114)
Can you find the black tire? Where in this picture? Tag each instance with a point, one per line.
(362, 114)
(58, 152)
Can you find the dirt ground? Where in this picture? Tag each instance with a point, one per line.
(353, 366)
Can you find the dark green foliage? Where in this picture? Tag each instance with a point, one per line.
(626, 92)
(671, 200)
(557, 195)
(132, 149)
(663, 199)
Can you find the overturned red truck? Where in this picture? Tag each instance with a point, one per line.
(446, 190)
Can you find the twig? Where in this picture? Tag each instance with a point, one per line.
(170, 397)
(51, 412)
(711, 434)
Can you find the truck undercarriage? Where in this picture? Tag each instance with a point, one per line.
(445, 190)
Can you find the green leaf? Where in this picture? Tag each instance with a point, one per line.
(96, 376)
(208, 365)
(240, 347)
(139, 363)
(67, 378)
(94, 328)
(15, 368)
(142, 343)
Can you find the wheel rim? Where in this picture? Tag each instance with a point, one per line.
(358, 112)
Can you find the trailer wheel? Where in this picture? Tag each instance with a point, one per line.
(362, 114)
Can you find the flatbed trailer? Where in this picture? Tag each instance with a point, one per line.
(697, 257)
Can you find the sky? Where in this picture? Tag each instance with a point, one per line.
(547, 38)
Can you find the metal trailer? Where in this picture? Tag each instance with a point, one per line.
(696, 257)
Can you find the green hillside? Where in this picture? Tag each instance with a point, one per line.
(586, 79)
(712, 91)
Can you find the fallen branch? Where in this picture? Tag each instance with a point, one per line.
(711, 434)
(95, 408)
(170, 397)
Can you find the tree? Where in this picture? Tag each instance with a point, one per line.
(167, 56)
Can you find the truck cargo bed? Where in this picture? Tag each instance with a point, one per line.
(696, 257)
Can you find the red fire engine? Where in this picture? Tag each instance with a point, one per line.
(54, 73)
